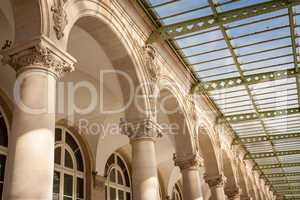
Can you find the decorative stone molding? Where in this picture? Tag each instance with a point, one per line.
(59, 18)
(154, 71)
(142, 129)
(188, 161)
(233, 194)
(40, 55)
(215, 181)
(192, 110)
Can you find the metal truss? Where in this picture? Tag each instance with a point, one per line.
(273, 166)
(270, 154)
(282, 182)
(288, 192)
(287, 188)
(249, 79)
(194, 25)
(254, 139)
(275, 175)
(254, 116)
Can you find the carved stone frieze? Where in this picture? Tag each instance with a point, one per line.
(141, 129)
(188, 161)
(215, 181)
(38, 56)
(60, 19)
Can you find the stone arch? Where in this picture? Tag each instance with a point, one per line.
(125, 70)
(242, 180)
(229, 171)
(172, 110)
(209, 150)
(31, 20)
(6, 23)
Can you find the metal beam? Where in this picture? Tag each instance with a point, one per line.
(249, 79)
(270, 154)
(255, 116)
(275, 175)
(287, 188)
(273, 166)
(255, 139)
(288, 192)
(282, 182)
(194, 25)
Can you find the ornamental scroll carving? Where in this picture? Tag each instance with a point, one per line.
(216, 181)
(39, 56)
(142, 129)
(193, 160)
(233, 194)
(60, 19)
(153, 70)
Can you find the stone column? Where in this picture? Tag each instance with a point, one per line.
(99, 187)
(233, 194)
(216, 185)
(142, 134)
(30, 164)
(189, 167)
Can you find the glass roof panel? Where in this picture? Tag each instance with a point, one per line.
(237, 4)
(258, 44)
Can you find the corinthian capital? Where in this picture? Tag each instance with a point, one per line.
(233, 193)
(141, 129)
(215, 181)
(39, 54)
(188, 161)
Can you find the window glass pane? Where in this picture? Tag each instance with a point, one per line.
(68, 185)
(113, 195)
(56, 182)
(120, 178)
(71, 142)
(128, 196)
(79, 161)
(112, 176)
(3, 132)
(58, 132)
(67, 198)
(2, 166)
(57, 155)
(120, 195)
(127, 178)
(68, 160)
(1, 190)
(121, 163)
(79, 188)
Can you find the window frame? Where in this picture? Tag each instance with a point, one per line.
(62, 169)
(118, 187)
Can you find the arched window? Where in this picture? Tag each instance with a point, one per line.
(118, 179)
(69, 181)
(176, 193)
(3, 150)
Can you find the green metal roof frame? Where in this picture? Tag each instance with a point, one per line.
(190, 28)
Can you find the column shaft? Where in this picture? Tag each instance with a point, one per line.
(142, 134)
(30, 163)
(189, 166)
(216, 185)
(144, 170)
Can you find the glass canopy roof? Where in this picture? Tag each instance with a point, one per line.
(245, 55)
